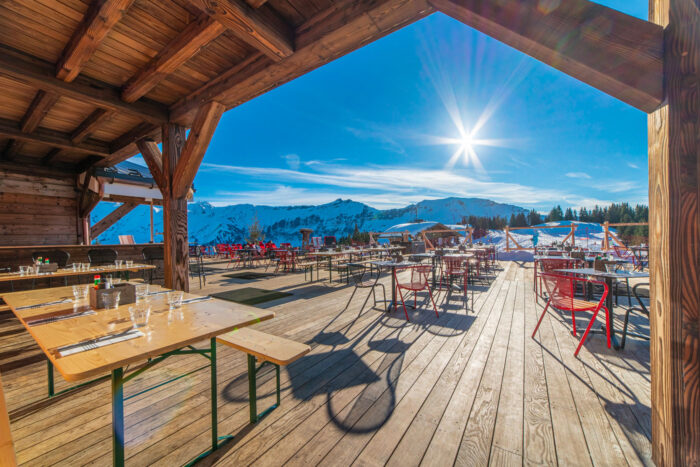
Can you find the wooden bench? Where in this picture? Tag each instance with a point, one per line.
(308, 267)
(267, 349)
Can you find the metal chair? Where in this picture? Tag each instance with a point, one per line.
(418, 281)
(153, 255)
(561, 292)
(459, 268)
(641, 308)
(102, 257)
(361, 279)
(55, 256)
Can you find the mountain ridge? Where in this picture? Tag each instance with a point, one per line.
(210, 224)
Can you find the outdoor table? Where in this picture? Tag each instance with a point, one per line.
(433, 260)
(393, 266)
(168, 333)
(330, 255)
(68, 272)
(608, 277)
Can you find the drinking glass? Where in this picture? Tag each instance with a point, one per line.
(23, 270)
(129, 263)
(140, 314)
(141, 292)
(85, 266)
(75, 266)
(118, 263)
(111, 301)
(627, 267)
(610, 267)
(80, 292)
(175, 299)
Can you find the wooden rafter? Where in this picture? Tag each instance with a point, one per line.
(263, 30)
(99, 19)
(58, 139)
(609, 50)
(256, 3)
(121, 145)
(331, 34)
(89, 125)
(38, 73)
(50, 156)
(154, 160)
(195, 147)
(110, 219)
(195, 36)
(40, 106)
(87, 163)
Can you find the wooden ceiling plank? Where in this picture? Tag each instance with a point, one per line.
(189, 42)
(154, 160)
(616, 53)
(39, 74)
(195, 147)
(58, 139)
(51, 155)
(89, 125)
(40, 106)
(110, 219)
(99, 19)
(323, 38)
(140, 131)
(266, 32)
(87, 163)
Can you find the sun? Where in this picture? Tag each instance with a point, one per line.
(466, 143)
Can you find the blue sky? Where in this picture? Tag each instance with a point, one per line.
(382, 126)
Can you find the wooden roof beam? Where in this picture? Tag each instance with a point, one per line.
(190, 41)
(125, 145)
(89, 125)
(264, 30)
(609, 50)
(21, 67)
(10, 129)
(344, 27)
(110, 219)
(195, 147)
(154, 160)
(99, 19)
(40, 106)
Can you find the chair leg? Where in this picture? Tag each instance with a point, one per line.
(573, 323)
(403, 303)
(588, 328)
(384, 294)
(431, 299)
(541, 317)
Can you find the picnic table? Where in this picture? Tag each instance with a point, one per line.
(608, 277)
(68, 272)
(82, 345)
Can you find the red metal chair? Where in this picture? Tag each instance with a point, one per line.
(455, 267)
(417, 282)
(551, 265)
(561, 290)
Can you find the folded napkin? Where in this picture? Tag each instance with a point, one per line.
(53, 319)
(93, 344)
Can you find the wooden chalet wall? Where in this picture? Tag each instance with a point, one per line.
(36, 210)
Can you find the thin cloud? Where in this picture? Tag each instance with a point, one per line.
(633, 166)
(578, 175)
(292, 161)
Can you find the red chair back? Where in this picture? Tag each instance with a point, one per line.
(454, 265)
(560, 290)
(419, 277)
(549, 265)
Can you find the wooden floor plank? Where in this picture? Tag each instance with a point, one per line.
(373, 390)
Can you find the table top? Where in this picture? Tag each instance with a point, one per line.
(391, 264)
(166, 330)
(614, 275)
(459, 255)
(66, 272)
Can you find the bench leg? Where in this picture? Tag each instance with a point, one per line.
(252, 389)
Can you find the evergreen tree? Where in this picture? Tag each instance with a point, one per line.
(255, 233)
(568, 215)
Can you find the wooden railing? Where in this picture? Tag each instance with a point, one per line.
(571, 237)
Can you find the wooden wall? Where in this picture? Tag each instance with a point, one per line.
(36, 210)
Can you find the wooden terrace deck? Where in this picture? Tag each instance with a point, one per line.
(469, 388)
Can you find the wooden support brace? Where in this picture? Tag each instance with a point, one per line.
(110, 219)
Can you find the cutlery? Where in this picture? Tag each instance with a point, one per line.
(55, 302)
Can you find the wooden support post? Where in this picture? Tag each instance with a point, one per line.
(176, 259)
(152, 231)
(573, 234)
(507, 238)
(606, 234)
(674, 240)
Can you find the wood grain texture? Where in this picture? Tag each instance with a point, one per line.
(110, 219)
(196, 146)
(38, 73)
(176, 261)
(89, 125)
(7, 449)
(101, 16)
(40, 106)
(12, 130)
(609, 50)
(154, 160)
(338, 30)
(265, 347)
(125, 145)
(674, 240)
(266, 32)
(188, 43)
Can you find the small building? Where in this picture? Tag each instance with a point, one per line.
(436, 233)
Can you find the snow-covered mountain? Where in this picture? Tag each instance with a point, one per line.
(229, 224)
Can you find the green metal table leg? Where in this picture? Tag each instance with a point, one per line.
(118, 417)
(50, 381)
(214, 405)
(252, 390)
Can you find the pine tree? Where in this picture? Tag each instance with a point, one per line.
(255, 233)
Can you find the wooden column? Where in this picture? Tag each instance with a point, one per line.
(176, 259)
(674, 192)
